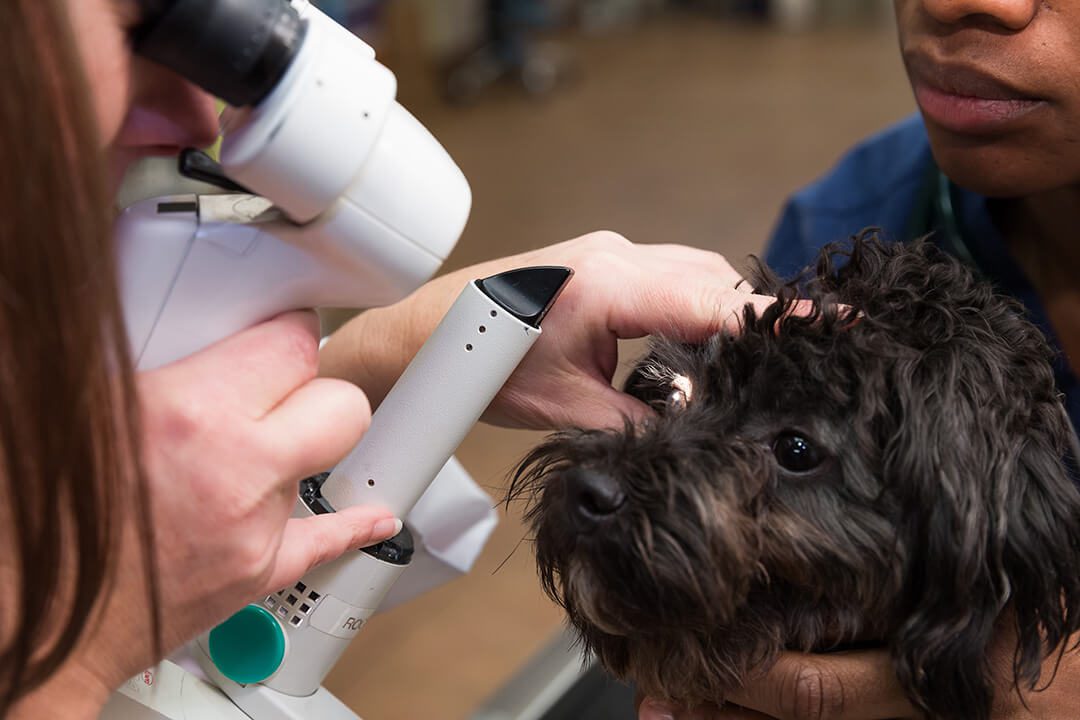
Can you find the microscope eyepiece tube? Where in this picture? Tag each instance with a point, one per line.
(237, 50)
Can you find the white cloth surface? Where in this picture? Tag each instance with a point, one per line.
(451, 524)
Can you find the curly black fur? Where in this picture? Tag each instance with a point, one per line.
(942, 503)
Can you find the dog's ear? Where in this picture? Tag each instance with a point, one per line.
(1041, 552)
(988, 517)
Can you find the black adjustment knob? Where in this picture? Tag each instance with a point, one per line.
(311, 494)
(197, 165)
(398, 550)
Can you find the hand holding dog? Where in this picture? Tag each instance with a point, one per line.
(862, 686)
(620, 290)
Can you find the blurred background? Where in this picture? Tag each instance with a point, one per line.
(686, 121)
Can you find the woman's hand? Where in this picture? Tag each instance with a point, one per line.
(862, 686)
(228, 433)
(619, 290)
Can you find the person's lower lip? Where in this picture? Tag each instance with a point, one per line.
(971, 115)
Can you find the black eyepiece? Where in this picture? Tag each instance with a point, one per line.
(237, 50)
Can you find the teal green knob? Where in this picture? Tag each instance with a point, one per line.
(248, 647)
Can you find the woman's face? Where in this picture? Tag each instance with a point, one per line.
(142, 109)
(998, 83)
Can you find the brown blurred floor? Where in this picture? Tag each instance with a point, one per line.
(682, 130)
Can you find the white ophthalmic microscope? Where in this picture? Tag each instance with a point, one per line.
(337, 197)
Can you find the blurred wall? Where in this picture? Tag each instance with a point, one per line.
(684, 125)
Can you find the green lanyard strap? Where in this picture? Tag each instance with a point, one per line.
(935, 214)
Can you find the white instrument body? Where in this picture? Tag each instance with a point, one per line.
(357, 205)
(194, 270)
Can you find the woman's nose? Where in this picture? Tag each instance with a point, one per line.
(168, 111)
(1011, 15)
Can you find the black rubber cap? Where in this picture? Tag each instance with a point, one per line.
(527, 293)
(237, 50)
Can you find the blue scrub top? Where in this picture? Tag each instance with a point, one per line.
(890, 181)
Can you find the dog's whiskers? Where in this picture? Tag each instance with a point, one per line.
(505, 560)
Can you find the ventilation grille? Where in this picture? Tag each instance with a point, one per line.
(293, 605)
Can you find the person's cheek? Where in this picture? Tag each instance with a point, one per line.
(106, 61)
(112, 102)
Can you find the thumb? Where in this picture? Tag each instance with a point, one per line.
(313, 541)
(566, 401)
(599, 405)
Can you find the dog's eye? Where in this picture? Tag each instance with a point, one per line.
(681, 391)
(795, 453)
(676, 401)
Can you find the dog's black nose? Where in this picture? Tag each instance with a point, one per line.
(594, 496)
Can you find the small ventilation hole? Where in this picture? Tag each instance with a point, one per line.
(295, 620)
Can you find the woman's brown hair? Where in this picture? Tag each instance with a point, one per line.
(69, 469)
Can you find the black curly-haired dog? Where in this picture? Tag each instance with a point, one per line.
(891, 473)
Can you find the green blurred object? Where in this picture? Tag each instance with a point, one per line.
(214, 150)
(248, 647)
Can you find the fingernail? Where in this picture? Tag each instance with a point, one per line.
(652, 710)
(386, 528)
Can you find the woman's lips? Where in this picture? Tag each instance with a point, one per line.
(965, 100)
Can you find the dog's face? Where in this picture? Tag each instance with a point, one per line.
(892, 477)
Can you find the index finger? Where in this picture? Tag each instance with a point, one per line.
(841, 686)
(690, 310)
